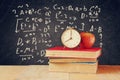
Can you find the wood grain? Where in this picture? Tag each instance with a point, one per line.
(40, 72)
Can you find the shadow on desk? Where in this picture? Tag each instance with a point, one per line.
(108, 69)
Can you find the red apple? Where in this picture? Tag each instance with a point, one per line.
(87, 39)
(81, 45)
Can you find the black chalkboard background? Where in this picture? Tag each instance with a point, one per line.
(12, 41)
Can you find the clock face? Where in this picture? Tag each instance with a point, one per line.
(70, 38)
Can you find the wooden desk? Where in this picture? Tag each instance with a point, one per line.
(40, 72)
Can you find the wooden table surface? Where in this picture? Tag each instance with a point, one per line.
(40, 72)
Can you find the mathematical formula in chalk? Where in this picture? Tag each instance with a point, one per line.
(38, 28)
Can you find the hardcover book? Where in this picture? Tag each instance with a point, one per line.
(73, 53)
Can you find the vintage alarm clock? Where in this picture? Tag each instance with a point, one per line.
(70, 38)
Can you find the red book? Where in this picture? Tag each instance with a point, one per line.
(61, 51)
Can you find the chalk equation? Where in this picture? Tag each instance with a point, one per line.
(39, 28)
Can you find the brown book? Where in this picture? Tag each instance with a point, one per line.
(83, 67)
(68, 60)
(73, 53)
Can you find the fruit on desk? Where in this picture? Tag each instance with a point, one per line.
(87, 39)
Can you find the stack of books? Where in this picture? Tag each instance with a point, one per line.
(73, 60)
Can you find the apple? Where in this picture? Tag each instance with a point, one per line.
(81, 45)
(87, 39)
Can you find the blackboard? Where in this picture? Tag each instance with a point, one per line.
(29, 27)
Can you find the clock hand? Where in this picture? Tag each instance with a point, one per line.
(70, 36)
(68, 39)
(71, 33)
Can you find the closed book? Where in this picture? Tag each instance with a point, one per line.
(66, 60)
(81, 67)
(73, 53)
